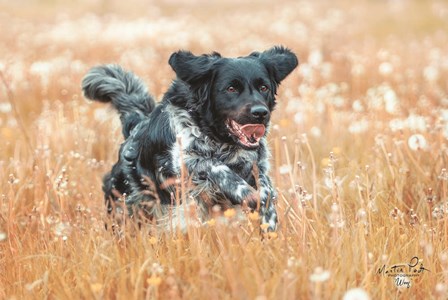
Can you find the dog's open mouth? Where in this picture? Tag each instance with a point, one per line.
(248, 135)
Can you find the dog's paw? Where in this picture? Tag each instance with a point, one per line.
(268, 210)
(269, 217)
(251, 202)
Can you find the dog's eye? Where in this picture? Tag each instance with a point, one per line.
(264, 88)
(232, 89)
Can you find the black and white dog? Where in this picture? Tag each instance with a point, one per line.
(211, 126)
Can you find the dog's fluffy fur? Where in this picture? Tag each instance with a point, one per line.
(213, 120)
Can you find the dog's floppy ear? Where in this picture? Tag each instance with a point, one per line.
(279, 61)
(190, 68)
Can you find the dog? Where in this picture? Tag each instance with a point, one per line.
(210, 128)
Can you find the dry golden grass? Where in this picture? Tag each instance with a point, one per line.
(359, 151)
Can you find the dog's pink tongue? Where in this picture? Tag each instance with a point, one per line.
(253, 130)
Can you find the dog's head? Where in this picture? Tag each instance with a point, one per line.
(233, 97)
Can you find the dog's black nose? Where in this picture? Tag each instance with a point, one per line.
(259, 111)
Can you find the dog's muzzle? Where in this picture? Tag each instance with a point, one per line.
(248, 135)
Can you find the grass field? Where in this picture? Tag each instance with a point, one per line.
(359, 143)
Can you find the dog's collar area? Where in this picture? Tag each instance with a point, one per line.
(248, 135)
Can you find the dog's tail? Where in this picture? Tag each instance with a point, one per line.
(127, 92)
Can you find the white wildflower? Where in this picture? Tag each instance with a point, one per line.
(284, 169)
(335, 218)
(62, 229)
(396, 124)
(357, 106)
(338, 101)
(441, 289)
(416, 123)
(294, 104)
(328, 183)
(443, 175)
(444, 114)
(385, 68)
(315, 58)
(391, 101)
(431, 73)
(320, 275)
(156, 269)
(5, 107)
(361, 215)
(294, 262)
(332, 88)
(42, 68)
(101, 114)
(356, 294)
(299, 118)
(315, 131)
(306, 70)
(374, 100)
(417, 142)
(359, 126)
(304, 89)
(319, 107)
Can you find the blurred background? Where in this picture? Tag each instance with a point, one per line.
(355, 55)
(359, 144)
(368, 69)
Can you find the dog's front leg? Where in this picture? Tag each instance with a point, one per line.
(238, 190)
(267, 192)
(267, 202)
(219, 178)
